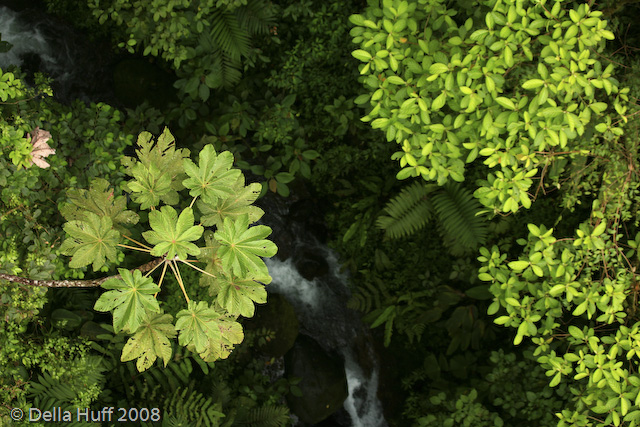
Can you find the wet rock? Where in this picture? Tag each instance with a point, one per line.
(310, 264)
(323, 385)
(285, 241)
(277, 315)
(309, 213)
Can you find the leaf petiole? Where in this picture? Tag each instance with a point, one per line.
(164, 270)
(134, 248)
(176, 273)
(196, 268)
(135, 241)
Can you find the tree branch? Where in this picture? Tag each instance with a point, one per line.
(92, 283)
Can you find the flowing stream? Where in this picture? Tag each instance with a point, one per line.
(320, 307)
(42, 43)
(320, 304)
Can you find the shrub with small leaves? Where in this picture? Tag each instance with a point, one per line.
(511, 83)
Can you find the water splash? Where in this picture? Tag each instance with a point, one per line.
(78, 66)
(31, 41)
(319, 303)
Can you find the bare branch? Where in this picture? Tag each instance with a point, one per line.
(92, 283)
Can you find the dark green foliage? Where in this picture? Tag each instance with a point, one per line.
(457, 211)
(228, 35)
(368, 296)
(186, 407)
(48, 392)
(265, 416)
(456, 208)
(408, 212)
(297, 116)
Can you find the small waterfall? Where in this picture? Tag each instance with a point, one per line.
(32, 46)
(41, 43)
(320, 306)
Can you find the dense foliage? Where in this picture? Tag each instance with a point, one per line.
(475, 162)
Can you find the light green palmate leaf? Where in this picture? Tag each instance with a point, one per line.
(172, 235)
(231, 334)
(198, 326)
(240, 202)
(163, 156)
(242, 247)
(151, 341)
(237, 295)
(101, 200)
(131, 296)
(213, 265)
(213, 178)
(150, 186)
(91, 241)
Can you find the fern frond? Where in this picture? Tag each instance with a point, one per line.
(230, 73)
(369, 296)
(186, 405)
(365, 298)
(256, 17)
(49, 391)
(227, 34)
(266, 416)
(456, 209)
(408, 212)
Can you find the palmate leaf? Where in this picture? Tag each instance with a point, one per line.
(242, 247)
(209, 256)
(162, 154)
(237, 295)
(172, 235)
(240, 202)
(197, 325)
(130, 297)
(151, 341)
(91, 241)
(231, 333)
(213, 178)
(100, 200)
(150, 186)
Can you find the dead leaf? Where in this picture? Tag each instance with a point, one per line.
(41, 149)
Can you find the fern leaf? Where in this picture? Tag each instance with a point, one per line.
(256, 17)
(456, 209)
(230, 73)
(266, 416)
(229, 36)
(408, 212)
(189, 406)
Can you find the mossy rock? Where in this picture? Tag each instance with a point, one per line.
(324, 382)
(278, 316)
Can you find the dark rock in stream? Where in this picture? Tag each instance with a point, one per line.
(278, 316)
(323, 385)
(310, 264)
(309, 212)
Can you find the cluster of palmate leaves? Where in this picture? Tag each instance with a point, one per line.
(99, 228)
(520, 87)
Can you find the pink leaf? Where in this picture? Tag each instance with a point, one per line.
(40, 147)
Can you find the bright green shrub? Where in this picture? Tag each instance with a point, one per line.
(516, 84)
